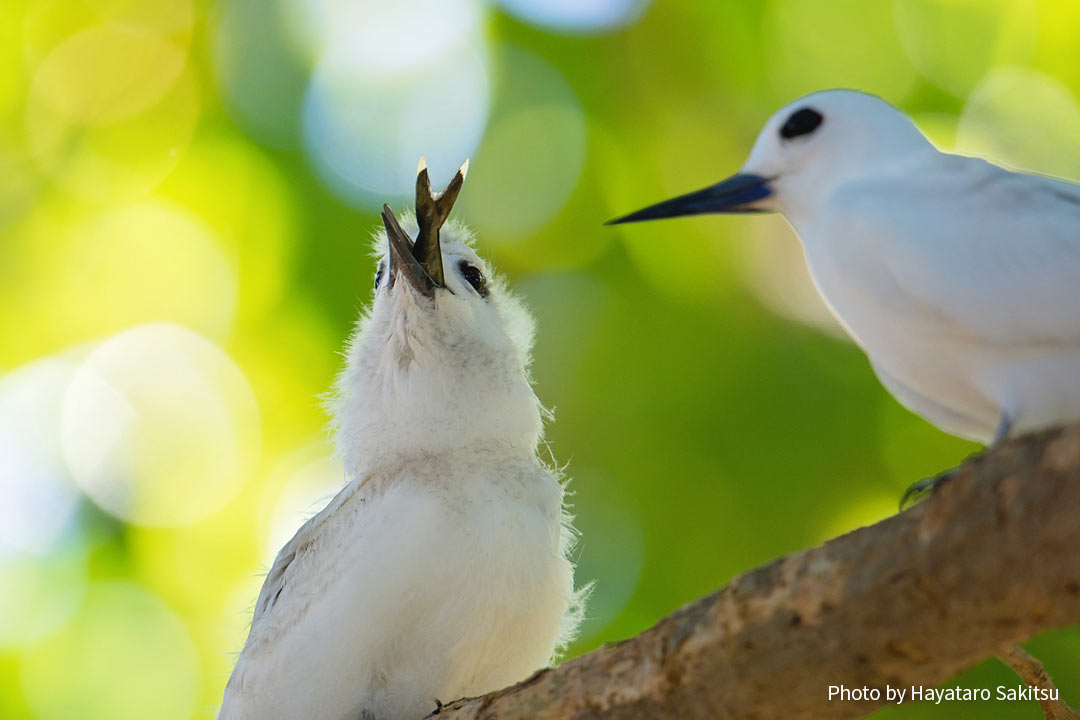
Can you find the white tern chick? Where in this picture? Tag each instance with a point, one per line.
(958, 278)
(440, 570)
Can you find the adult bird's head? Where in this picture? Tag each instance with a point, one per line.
(440, 360)
(805, 151)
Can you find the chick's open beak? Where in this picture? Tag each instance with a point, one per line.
(400, 256)
(421, 262)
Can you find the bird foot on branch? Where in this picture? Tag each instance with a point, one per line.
(1032, 672)
(918, 490)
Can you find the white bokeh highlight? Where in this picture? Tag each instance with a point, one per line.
(159, 427)
(1024, 119)
(39, 499)
(410, 80)
(576, 15)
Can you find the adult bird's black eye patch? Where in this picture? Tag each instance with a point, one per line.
(801, 122)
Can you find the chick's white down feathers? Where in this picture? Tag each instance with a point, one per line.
(440, 570)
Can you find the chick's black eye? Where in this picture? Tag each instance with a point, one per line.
(379, 275)
(802, 122)
(474, 277)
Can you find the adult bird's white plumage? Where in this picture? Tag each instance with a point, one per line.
(958, 278)
(440, 570)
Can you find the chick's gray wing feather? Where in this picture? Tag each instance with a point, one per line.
(280, 575)
(991, 253)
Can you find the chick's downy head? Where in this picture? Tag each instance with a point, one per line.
(439, 362)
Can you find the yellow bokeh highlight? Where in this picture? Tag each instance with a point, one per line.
(246, 202)
(159, 427)
(39, 594)
(108, 73)
(181, 564)
(149, 262)
(48, 23)
(122, 158)
(535, 178)
(11, 79)
(813, 45)
(954, 43)
(533, 151)
(1025, 119)
(125, 656)
(1057, 49)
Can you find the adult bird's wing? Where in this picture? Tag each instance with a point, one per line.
(987, 252)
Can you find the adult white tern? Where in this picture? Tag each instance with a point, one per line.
(440, 570)
(958, 278)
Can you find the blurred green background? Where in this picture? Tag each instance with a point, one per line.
(187, 191)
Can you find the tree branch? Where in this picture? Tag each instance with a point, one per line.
(990, 559)
(1032, 672)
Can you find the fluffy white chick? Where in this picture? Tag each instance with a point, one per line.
(440, 570)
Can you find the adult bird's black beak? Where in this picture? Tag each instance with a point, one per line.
(737, 194)
(421, 262)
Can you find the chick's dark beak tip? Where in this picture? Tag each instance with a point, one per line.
(400, 256)
(421, 261)
(432, 211)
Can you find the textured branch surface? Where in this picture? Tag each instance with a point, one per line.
(991, 559)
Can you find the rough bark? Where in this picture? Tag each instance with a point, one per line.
(992, 558)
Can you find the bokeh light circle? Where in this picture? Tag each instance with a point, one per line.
(142, 263)
(87, 277)
(812, 45)
(42, 560)
(576, 15)
(39, 498)
(151, 261)
(245, 199)
(532, 156)
(261, 76)
(11, 79)
(125, 655)
(369, 114)
(386, 39)
(954, 43)
(46, 24)
(1025, 119)
(159, 427)
(40, 594)
(109, 161)
(108, 73)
